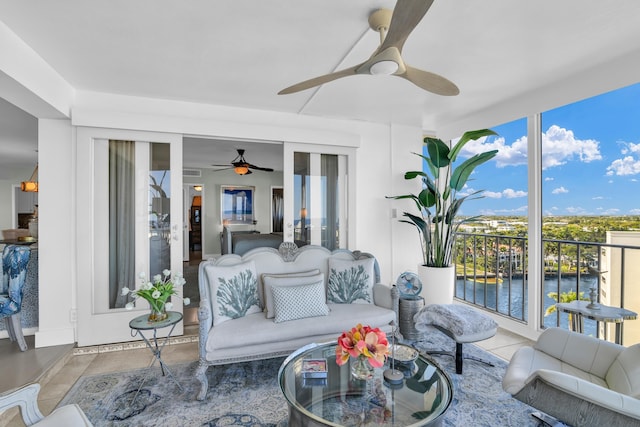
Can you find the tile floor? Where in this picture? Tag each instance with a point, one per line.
(58, 368)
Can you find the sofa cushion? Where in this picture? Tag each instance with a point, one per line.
(298, 302)
(234, 291)
(292, 279)
(624, 374)
(258, 330)
(350, 282)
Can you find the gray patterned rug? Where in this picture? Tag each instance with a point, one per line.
(247, 394)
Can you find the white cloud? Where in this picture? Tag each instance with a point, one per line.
(629, 164)
(625, 166)
(597, 198)
(576, 210)
(611, 211)
(507, 193)
(493, 194)
(549, 179)
(513, 194)
(634, 211)
(560, 190)
(559, 146)
(515, 211)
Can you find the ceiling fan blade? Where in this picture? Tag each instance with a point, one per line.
(430, 82)
(258, 168)
(406, 16)
(317, 81)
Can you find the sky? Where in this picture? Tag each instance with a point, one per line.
(590, 157)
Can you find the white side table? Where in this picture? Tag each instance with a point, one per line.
(605, 314)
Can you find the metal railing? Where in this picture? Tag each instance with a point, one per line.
(491, 274)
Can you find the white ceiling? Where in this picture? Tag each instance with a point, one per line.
(242, 52)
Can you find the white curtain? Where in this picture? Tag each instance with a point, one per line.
(121, 220)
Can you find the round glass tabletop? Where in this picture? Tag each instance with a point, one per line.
(336, 399)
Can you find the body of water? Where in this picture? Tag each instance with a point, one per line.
(497, 295)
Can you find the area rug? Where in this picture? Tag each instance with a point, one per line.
(247, 394)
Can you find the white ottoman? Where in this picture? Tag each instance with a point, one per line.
(460, 322)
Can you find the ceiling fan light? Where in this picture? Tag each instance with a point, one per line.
(384, 67)
(241, 170)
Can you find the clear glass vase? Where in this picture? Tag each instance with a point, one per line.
(158, 314)
(360, 368)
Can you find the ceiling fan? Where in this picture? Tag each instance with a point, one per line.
(394, 28)
(241, 166)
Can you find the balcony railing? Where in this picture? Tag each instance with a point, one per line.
(491, 274)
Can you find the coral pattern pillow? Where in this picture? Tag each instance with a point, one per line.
(234, 291)
(299, 302)
(350, 282)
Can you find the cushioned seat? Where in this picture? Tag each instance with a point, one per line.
(579, 379)
(461, 323)
(27, 399)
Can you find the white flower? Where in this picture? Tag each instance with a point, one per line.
(178, 274)
(125, 291)
(147, 286)
(168, 306)
(166, 272)
(142, 275)
(129, 306)
(187, 301)
(155, 294)
(179, 281)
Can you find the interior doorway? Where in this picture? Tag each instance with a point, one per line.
(194, 225)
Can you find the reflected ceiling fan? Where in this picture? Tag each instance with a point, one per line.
(394, 28)
(241, 166)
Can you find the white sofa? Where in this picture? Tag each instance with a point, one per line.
(300, 284)
(579, 379)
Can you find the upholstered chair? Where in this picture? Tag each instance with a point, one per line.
(14, 270)
(27, 399)
(578, 379)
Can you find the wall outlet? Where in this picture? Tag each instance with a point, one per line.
(73, 315)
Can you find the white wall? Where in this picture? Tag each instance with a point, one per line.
(56, 237)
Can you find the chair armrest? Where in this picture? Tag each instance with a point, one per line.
(588, 391)
(27, 399)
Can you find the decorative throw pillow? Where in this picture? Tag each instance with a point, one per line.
(299, 302)
(234, 291)
(350, 282)
(270, 281)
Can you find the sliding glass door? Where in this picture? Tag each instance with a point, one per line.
(317, 202)
(131, 225)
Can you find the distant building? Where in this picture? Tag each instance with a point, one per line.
(622, 268)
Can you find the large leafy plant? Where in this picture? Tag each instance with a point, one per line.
(440, 199)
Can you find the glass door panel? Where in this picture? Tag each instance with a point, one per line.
(316, 212)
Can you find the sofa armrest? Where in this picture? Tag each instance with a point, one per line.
(387, 297)
(382, 296)
(588, 391)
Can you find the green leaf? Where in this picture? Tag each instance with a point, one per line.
(438, 152)
(413, 174)
(466, 137)
(427, 198)
(461, 174)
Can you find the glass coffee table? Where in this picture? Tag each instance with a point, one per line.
(339, 400)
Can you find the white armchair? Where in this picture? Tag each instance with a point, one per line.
(27, 399)
(581, 380)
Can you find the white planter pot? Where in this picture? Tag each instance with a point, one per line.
(438, 284)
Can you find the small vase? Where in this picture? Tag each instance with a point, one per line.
(158, 315)
(360, 368)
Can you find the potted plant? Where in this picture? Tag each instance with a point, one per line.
(438, 204)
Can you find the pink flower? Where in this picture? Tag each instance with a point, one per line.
(363, 340)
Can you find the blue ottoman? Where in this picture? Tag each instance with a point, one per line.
(461, 323)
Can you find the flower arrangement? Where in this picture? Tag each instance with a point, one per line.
(363, 342)
(157, 292)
